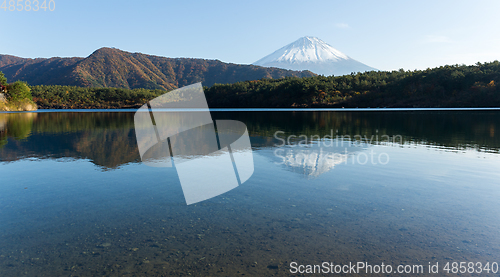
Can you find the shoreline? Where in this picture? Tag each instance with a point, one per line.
(271, 110)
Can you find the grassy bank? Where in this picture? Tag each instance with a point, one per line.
(18, 106)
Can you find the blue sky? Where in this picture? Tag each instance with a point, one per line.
(387, 35)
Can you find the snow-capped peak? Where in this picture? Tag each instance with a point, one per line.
(305, 49)
(315, 55)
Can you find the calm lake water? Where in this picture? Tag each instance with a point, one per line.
(392, 187)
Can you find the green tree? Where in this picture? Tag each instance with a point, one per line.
(3, 80)
(19, 91)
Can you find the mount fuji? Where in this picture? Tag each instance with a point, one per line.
(313, 54)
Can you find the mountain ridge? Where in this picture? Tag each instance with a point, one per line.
(112, 67)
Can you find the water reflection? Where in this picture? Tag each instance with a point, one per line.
(15, 125)
(313, 159)
(108, 138)
(426, 205)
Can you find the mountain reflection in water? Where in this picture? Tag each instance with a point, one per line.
(108, 138)
(76, 201)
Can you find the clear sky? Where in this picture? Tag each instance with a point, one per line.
(387, 35)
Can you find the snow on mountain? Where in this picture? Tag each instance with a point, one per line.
(311, 53)
(306, 49)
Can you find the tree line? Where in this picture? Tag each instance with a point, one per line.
(72, 97)
(445, 86)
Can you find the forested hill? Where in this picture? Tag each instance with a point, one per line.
(446, 86)
(110, 67)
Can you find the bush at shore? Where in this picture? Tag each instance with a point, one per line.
(15, 96)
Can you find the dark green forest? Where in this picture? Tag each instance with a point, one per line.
(445, 86)
(72, 97)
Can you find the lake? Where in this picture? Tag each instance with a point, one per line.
(409, 190)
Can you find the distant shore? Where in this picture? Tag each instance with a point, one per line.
(456, 86)
(277, 110)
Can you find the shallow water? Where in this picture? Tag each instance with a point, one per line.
(75, 200)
